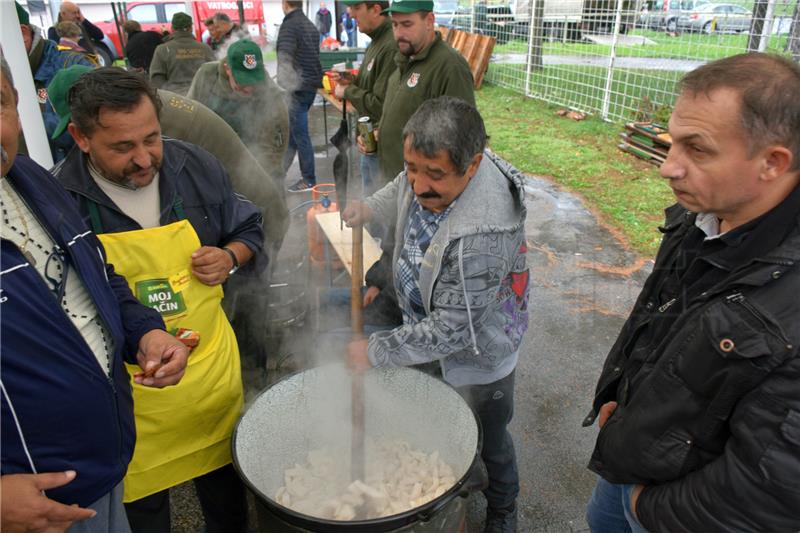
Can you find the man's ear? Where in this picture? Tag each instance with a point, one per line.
(777, 162)
(80, 139)
(472, 169)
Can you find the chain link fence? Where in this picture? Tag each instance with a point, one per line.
(620, 59)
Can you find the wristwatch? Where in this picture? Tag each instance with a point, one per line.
(235, 267)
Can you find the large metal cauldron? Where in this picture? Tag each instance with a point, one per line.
(311, 410)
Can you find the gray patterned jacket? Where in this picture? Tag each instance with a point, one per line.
(473, 280)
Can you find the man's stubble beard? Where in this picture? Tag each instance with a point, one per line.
(123, 179)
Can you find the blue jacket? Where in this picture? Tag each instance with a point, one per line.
(46, 60)
(71, 414)
(191, 180)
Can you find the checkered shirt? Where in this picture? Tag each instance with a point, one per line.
(420, 229)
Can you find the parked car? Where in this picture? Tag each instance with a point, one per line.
(663, 14)
(568, 19)
(723, 18)
(445, 12)
(156, 15)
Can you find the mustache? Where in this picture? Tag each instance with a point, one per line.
(429, 195)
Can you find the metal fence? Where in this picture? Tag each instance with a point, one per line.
(620, 59)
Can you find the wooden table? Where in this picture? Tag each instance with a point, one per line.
(330, 98)
(341, 240)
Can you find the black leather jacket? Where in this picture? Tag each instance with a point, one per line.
(712, 427)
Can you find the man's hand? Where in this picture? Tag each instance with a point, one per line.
(356, 213)
(605, 413)
(338, 91)
(162, 359)
(211, 265)
(363, 147)
(23, 507)
(370, 295)
(637, 490)
(357, 358)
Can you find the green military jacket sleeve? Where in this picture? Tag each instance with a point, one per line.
(369, 88)
(191, 121)
(439, 70)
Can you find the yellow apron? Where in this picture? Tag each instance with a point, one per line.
(182, 431)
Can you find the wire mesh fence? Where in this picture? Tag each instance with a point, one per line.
(620, 59)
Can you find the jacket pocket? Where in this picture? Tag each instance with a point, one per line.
(669, 456)
(736, 345)
(778, 464)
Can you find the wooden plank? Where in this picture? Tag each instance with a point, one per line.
(476, 49)
(655, 132)
(646, 147)
(341, 241)
(335, 102)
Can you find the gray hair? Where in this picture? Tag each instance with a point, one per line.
(447, 124)
(221, 17)
(68, 29)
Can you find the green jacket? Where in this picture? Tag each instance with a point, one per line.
(194, 123)
(369, 88)
(261, 120)
(438, 70)
(176, 61)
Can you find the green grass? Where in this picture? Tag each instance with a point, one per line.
(584, 87)
(582, 156)
(694, 46)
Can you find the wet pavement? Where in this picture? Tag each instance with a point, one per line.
(583, 282)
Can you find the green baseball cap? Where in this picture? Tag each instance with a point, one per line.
(22, 15)
(58, 90)
(408, 6)
(181, 21)
(246, 62)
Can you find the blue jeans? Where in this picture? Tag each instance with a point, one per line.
(110, 515)
(494, 405)
(370, 173)
(299, 139)
(609, 509)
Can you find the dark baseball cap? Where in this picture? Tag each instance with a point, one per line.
(181, 21)
(246, 62)
(58, 90)
(22, 15)
(408, 6)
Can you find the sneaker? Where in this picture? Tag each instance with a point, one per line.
(299, 186)
(501, 520)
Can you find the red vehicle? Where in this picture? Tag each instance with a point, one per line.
(156, 15)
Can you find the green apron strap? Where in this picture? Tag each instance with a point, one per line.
(94, 216)
(177, 207)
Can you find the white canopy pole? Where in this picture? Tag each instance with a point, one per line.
(29, 112)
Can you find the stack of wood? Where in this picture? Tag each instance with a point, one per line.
(476, 49)
(646, 140)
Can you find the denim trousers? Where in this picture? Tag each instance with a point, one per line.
(110, 515)
(370, 173)
(609, 509)
(299, 102)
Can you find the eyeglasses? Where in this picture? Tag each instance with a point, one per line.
(55, 272)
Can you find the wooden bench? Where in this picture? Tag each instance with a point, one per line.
(341, 240)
